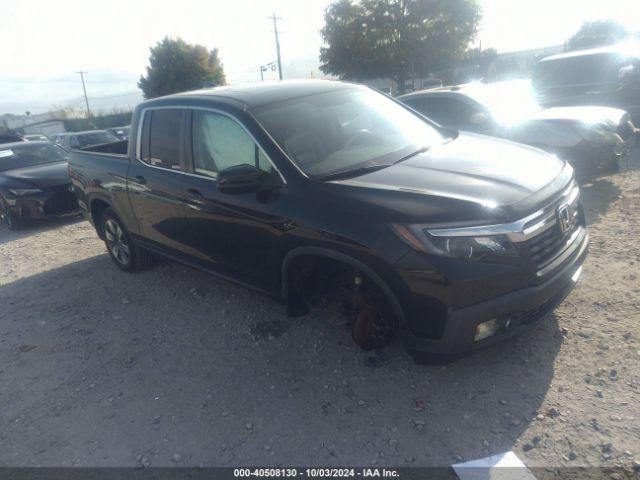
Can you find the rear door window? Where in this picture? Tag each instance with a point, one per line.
(161, 140)
(443, 110)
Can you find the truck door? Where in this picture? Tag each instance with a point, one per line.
(157, 180)
(236, 234)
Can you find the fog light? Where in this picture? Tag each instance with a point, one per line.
(486, 329)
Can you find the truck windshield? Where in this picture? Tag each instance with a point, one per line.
(29, 155)
(345, 130)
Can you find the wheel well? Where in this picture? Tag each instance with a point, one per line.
(313, 273)
(97, 209)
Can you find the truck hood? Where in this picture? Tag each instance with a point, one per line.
(484, 171)
(41, 176)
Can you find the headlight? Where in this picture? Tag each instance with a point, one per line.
(469, 248)
(21, 192)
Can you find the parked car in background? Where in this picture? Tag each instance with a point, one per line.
(87, 139)
(121, 132)
(56, 138)
(591, 138)
(608, 76)
(36, 138)
(34, 183)
(452, 239)
(11, 138)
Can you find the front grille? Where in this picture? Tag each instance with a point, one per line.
(61, 201)
(544, 248)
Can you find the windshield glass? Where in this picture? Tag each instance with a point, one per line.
(28, 155)
(509, 102)
(345, 130)
(96, 138)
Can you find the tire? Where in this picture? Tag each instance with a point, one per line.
(9, 218)
(123, 251)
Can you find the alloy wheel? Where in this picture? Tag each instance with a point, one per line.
(117, 242)
(6, 216)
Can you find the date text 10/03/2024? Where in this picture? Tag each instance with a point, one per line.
(316, 472)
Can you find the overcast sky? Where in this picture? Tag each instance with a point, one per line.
(42, 42)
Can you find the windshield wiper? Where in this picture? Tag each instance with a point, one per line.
(354, 172)
(407, 157)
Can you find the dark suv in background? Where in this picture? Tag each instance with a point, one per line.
(608, 76)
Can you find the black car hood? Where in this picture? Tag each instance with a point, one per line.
(41, 176)
(472, 170)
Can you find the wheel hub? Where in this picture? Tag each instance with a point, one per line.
(117, 242)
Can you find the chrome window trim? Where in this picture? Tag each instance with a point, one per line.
(519, 230)
(208, 109)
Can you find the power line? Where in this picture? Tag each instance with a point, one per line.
(81, 72)
(275, 30)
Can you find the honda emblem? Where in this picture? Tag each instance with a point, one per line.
(565, 217)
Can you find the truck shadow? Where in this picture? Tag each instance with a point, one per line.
(175, 361)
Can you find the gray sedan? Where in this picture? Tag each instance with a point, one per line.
(590, 138)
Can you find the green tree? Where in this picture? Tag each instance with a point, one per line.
(396, 39)
(598, 33)
(178, 66)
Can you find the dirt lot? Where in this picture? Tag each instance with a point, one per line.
(174, 367)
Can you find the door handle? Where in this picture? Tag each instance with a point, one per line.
(140, 179)
(194, 194)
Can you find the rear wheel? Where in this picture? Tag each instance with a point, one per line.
(124, 253)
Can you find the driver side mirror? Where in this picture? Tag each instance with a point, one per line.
(478, 118)
(243, 178)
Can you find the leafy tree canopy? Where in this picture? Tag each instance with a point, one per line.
(397, 39)
(598, 33)
(178, 66)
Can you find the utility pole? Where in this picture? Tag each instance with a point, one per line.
(275, 30)
(86, 100)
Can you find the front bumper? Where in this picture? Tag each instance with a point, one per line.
(524, 309)
(51, 203)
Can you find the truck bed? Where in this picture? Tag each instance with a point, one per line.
(100, 172)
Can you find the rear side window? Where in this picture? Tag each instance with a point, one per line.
(161, 138)
(443, 110)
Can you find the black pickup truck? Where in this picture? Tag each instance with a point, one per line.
(451, 240)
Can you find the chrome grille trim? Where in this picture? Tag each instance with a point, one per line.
(522, 229)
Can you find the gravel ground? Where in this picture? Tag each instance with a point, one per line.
(174, 367)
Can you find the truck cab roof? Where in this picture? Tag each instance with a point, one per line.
(257, 95)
